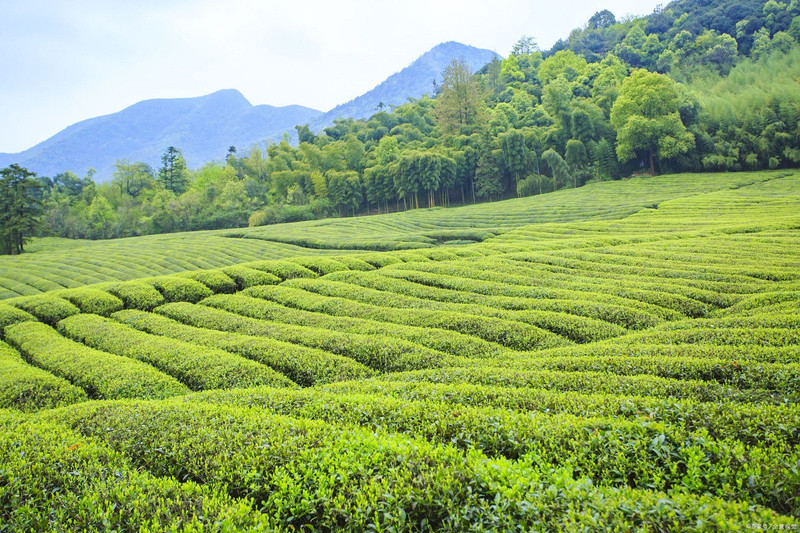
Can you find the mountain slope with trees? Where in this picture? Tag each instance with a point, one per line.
(669, 92)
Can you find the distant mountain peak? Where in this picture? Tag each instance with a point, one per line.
(412, 82)
(204, 127)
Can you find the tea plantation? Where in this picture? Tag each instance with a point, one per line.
(624, 356)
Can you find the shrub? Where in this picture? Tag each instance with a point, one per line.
(58, 480)
(177, 289)
(100, 374)
(48, 309)
(200, 368)
(283, 269)
(90, 300)
(320, 265)
(249, 277)
(28, 388)
(136, 295)
(305, 366)
(11, 315)
(418, 485)
(216, 280)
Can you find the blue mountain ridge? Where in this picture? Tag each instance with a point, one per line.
(204, 127)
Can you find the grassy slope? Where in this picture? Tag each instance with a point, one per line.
(59, 263)
(644, 335)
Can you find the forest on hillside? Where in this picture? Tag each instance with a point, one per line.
(699, 85)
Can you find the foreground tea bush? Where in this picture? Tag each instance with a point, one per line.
(100, 374)
(612, 452)
(749, 423)
(305, 366)
(413, 484)
(28, 388)
(199, 368)
(54, 479)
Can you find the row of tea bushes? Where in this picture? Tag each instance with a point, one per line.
(378, 352)
(199, 368)
(639, 454)
(358, 302)
(615, 314)
(749, 423)
(55, 479)
(373, 480)
(375, 289)
(28, 388)
(305, 366)
(100, 374)
(309, 309)
(469, 278)
(780, 377)
(590, 382)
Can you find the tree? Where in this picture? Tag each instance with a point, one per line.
(524, 46)
(646, 118)
(132, 178)
(515, 154)
(304, 134)
(459, 107)
(173, 174)
(20, 208)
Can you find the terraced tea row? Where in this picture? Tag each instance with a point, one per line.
(640, 373)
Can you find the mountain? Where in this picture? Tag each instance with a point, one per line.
(412, 82)
(204, 127)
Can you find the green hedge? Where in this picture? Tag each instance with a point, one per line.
(370, 480)
(178, 289)
(199, 368)
(283, 269)
(375, 351)
(55, 479)
(28, 388)
(100, 374)
(303, 365)
(591, 382)
(250, 277)
(48, 309)
(216, 280)
(91, 300)
(308, 309)
(609, 451)
(353, 301)
(320, 265)
(722, 419)
(11, 315)
(136, 295)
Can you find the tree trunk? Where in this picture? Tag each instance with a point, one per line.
(652, 164)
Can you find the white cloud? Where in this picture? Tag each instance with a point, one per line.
(67, 61)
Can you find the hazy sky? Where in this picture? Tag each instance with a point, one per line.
(62, 61)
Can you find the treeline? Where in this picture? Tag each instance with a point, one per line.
(696, 86)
